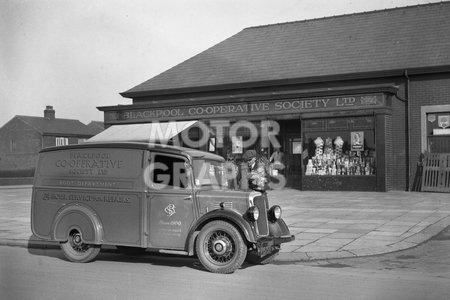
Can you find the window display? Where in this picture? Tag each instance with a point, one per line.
(347, 149)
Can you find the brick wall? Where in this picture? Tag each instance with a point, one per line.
(49, 141)
(21, 160)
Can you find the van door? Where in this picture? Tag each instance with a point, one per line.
(170, 211)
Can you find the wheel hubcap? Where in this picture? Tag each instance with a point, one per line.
(220, 247)
(76, 241)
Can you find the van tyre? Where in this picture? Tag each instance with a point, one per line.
(75, 250)
(220, 247)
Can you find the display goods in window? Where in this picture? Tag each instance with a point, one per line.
(332, 161)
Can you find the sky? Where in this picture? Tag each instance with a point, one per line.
(79, 54)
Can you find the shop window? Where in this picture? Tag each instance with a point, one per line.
(337, 124)
(345, 146)
(241, 140)
(438, 132)
(237, 144)
(314, 125)
(195, 137)
(362, 123)
(193, 134)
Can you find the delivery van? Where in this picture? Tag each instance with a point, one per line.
(153, 198)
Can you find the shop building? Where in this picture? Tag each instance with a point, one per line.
(356, 98)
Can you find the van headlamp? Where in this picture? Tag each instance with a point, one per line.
(275, 213)
(253, 213)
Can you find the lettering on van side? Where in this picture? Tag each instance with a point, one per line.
(87, 197)
(89, 163)
(171, 228)
(90, 183)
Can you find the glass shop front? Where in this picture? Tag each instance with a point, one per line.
(339, 153)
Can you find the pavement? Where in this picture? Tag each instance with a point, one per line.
(326, 225)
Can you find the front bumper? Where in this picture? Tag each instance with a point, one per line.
(271, 240)
(278, 234)
(267, 245)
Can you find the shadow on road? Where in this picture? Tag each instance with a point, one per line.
(113, 255)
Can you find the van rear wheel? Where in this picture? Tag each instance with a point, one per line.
(76, 250)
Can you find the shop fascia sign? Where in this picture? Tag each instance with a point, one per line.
(271, 107)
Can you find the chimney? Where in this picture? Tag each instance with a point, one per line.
(49, 112)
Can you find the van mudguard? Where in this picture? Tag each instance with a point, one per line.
(220, 214)
(80, 217)
(278, 229)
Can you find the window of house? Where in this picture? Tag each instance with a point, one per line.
(61, 141)
(12, 145)
(81, 141)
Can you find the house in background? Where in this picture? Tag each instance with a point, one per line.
(24, 136)
(97, 125)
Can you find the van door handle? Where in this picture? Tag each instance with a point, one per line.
(188, 198)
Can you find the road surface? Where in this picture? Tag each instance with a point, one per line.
(45, 274)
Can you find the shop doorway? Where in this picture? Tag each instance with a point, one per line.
(290, 139)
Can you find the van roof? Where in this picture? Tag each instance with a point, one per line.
(139, 145)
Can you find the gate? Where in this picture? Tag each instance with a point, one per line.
(436, 172)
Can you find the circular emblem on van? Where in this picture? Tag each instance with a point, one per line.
(170, 210)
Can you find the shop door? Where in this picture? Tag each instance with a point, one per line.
(292, 160)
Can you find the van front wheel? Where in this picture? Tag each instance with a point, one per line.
(76, 250)
(220, 247)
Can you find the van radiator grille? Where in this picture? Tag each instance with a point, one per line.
(263, 226)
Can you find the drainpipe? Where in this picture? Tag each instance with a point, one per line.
(407, 125)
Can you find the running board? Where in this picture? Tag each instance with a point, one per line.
(177, 252)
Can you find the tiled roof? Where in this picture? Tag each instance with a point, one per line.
(59, 126)
(409, 37)
(97, 125)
